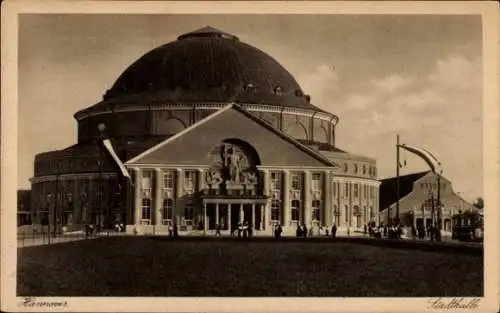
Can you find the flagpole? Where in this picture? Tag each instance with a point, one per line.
(397, 177)
(439, 217)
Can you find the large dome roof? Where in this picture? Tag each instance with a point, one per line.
(209, 65)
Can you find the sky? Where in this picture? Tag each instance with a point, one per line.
(416, 76)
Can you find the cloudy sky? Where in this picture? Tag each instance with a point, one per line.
(417, 76)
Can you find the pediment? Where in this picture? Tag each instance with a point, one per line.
(198, 144)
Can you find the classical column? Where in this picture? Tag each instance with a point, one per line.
(217, 213)
(285, 207)
(253, 215)
(262, 222)
(138, 196)
(265, 217)
(205, 217)
(327, 196)
(415, 217)
(229, 217)
(179, 193)
(242, 214)
(265, 182)
(158, 197)
(180, 182)
(307, 198)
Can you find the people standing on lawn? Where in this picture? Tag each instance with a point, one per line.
(217, 230)
(334, 230)
(240, 229)
(176, 230)
(413, 232)
(277, 231)
(245, 229)
(437, 233)
(298, 231)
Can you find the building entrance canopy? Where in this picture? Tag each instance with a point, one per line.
(234, 199)
(229, 212)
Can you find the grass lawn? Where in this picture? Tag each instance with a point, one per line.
(140, 266)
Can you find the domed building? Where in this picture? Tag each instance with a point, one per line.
(212, 131)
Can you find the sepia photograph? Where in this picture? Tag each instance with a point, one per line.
(179, 153)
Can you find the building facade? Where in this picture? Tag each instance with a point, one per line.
(212, 131)
(418, 201)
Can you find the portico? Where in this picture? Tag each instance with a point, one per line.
(229, 212)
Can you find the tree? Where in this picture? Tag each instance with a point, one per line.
(479, 203)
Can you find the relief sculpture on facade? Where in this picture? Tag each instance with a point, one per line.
(233, 167)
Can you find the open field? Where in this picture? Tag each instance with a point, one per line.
(141, 266)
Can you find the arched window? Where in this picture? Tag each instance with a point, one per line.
(297, 131)
(169, 127)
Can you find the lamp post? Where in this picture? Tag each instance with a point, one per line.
(101, 127)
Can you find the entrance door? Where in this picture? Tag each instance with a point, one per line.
(211, 216)
(235, 216)
(247, 214)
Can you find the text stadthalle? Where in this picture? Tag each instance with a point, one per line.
(454, 303)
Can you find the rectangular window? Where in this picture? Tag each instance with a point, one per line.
(365, 191)
(275, 181)
(316, 182)
(146, 211)
(147, 180)
(168, 180)
(295, 210)
(188, 214)
(316, 210)
(356, 186)
(334, 185)
(275, 211)
(297, 181)
(346, 208)
(346, 190)
(189, 181)
(336, 215)
(168, 207)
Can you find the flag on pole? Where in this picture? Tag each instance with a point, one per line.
(109, 147)
(428, 157)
